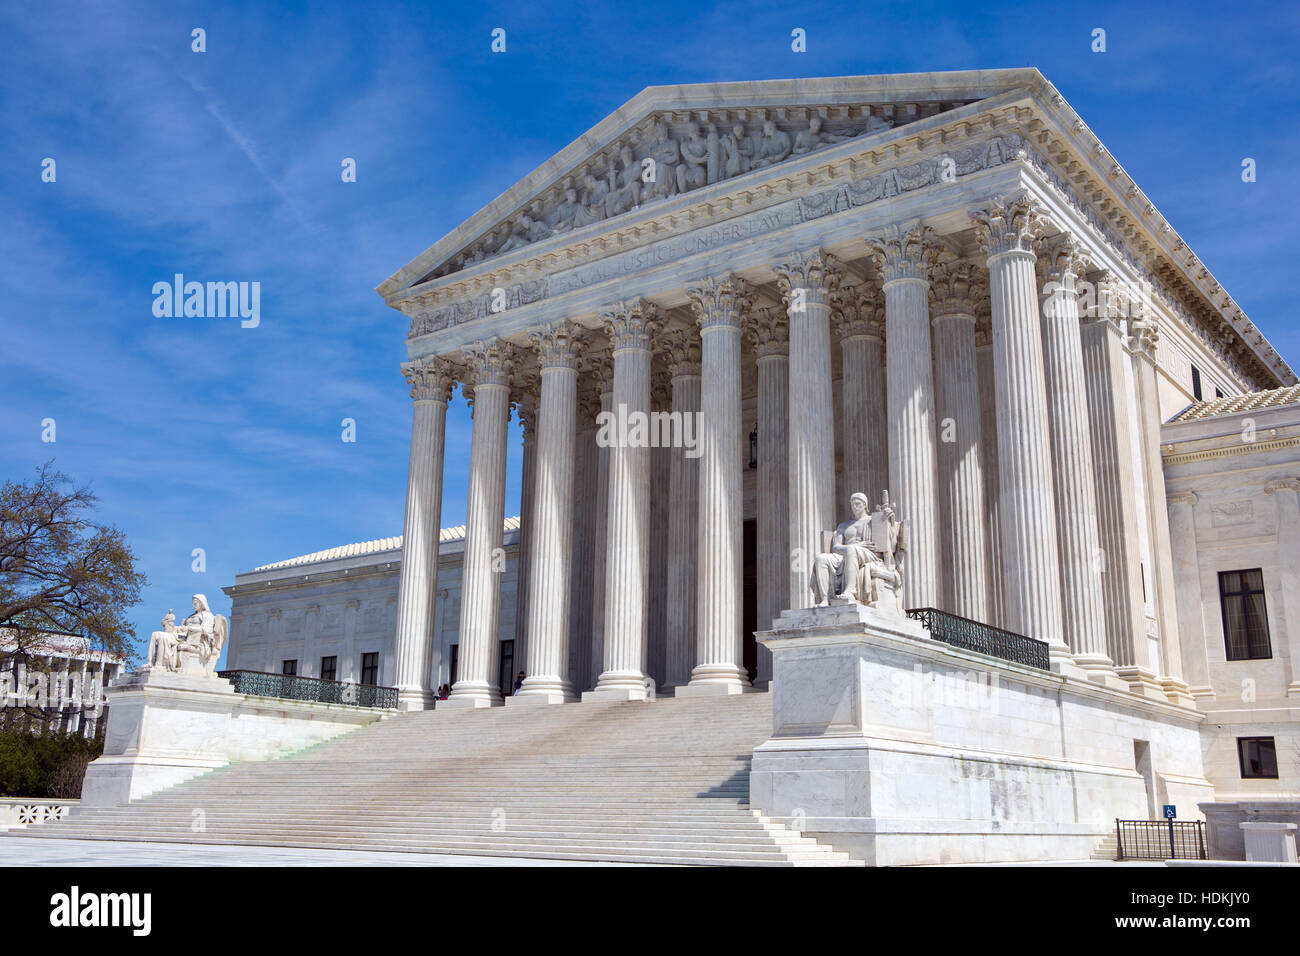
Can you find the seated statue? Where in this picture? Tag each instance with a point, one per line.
(199, 638)
(864, 563)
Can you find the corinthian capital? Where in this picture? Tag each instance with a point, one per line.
(682, 352)
(1143, 337)
(952, 288)
(899, 251)
(768, 331)
(719, 301)
(630, 323)
(1062, 259)
(490, 362)
(524, 395)
(557, 345)
(431, 379)
(856, 312)
(1009, 225)
(808, 277)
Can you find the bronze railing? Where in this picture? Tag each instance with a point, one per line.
(973, 636)
(293, 687)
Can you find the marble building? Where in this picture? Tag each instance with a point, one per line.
(64, 678)
(938, 284)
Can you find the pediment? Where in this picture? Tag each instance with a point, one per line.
(669, 141)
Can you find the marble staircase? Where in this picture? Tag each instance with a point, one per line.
(647, 782)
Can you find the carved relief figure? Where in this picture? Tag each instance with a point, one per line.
(772, 147)
(565, 213)
(737, 151)
(667, 156)
(526, 230)
(814, 136)
(592, 208)
(694, 170)
(624, 184)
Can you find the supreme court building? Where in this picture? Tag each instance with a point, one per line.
(937, 285)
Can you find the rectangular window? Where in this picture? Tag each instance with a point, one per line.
(1245, 616)
(329, 667)
(1196, 383)
(507, 668)
(1258, 756)
(290, 668)
(370, 668)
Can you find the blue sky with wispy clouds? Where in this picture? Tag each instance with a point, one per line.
(225, 166)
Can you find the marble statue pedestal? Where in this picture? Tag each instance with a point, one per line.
(163, 729)
(1269, 842)
(899, 749)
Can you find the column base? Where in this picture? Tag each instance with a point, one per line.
(1061, 662)
(713, 689)
(1292, 690)
(618, 685)
(543, 690)
(414, 698)
(1100, 669)
(473, 694)
(1141, 682)
(1176, 692)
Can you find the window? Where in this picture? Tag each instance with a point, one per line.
(329, 667)
(370, 668)
(1196, 383)
(1245, 617)
(1258, 756)
(290, 668)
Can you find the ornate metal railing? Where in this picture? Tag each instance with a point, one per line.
(1160, 839)
(293, 687)
(974, 636)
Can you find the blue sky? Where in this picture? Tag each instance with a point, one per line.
(225, 165)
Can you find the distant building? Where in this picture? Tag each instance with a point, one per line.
(333, 614)
(63, 678)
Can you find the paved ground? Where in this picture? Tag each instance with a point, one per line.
(31, 851)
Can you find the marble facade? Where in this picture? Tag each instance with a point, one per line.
(939, 284)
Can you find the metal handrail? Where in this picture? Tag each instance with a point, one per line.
(1160, 840)
(984, 638)
(294, 687)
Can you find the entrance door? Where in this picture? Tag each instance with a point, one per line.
(749, 618)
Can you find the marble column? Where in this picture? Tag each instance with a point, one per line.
(1144, 336)
(586, 477)
(719, 661)
(484, 563)
(769, 335)
(627, 544)
(807, 280)
(1286, 493)
(1187, 585)
(683, 351)
(858, 316)
(960, 462)
(900, 258)
(989, 458)
(601, 367)
(525, 403)
(431, 383)
(1008, 231)
(1060, 263)
(550, 537)
(1108, 381)
(660, 506)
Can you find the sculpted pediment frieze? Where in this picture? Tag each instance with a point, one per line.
(671, 153)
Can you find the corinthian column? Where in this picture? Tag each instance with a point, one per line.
(551, 533)
(1008, 232)
(865, 450)
(627, 545)
(807, 280)
(1072, 465)
(899, 255)
(989, 457)
(1287, 494)
(961, 468)
(525, 402)
(479, 680)
(431, 382)
(586, 490)
(719, 649)
(683, 351)
(769, 335)
(601, 366)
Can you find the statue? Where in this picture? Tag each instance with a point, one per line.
(562, 219)
(813, 137)
(863, 562)
(528, 230)
(592, 207)
(199, 638)
(624, 184)
(773, 146)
